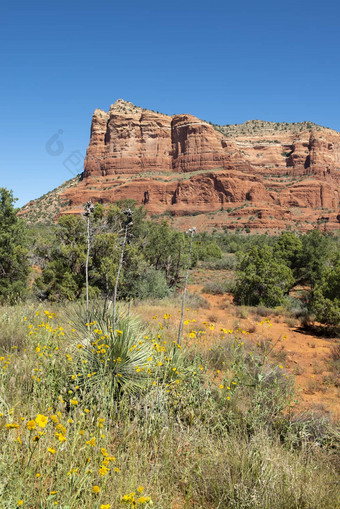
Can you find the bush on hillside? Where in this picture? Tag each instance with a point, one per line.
(151, 284)
(262, 279)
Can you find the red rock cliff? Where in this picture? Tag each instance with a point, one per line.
(183, 165)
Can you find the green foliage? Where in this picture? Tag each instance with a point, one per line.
(154, 256)
(270, 267)
(14, 265)
(262, 279)
(288, 248)
(99, 212)
(210, 251)
(164, 249)
(151, 284)
(63, 277)
(115, 363)
(217, 286)
(227, 262)
(238, 242)
(325, 300)
(104, 261)
(316, 249)
(205, 248)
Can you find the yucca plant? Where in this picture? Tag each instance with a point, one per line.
(111, 361)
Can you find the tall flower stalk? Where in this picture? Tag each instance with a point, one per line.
(128, 224)
(192, 232)
(89, 208)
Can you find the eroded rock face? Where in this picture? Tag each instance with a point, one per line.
(128, 140)
(183, 165)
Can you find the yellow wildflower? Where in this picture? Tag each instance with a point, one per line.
(41, 420)
(31, 425)
(60, 437)
(12, 425)
(142, 500)
(103, 470)
(61, 428)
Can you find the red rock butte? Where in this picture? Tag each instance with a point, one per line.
(257, 175)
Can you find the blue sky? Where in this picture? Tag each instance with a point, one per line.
(223, 61)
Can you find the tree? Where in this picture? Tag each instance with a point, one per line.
(289, 249)
(262, 279)
(63, 276)
(122, 253)
(14, 264)
(313, 257)
(205, 249)
(167, 250)
(325, 297)
(64, 273)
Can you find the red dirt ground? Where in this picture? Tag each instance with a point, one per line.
(302, 354)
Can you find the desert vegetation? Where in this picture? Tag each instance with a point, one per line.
(97, 416)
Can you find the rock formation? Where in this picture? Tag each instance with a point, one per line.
(268, 175)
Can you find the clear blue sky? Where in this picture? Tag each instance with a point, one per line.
(223, 61)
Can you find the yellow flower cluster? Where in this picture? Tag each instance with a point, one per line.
(130, 499)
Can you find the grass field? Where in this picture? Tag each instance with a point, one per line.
(95, 418)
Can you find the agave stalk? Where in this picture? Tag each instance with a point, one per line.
(192, 232)
(89, 208)
(128, 225)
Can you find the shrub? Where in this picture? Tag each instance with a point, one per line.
(295, 307)
(195, 301)
(227, 262)
(152, 284)
(117, 361)
(217, 287)
(204, 250)
(325, 297)
(262, 279)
